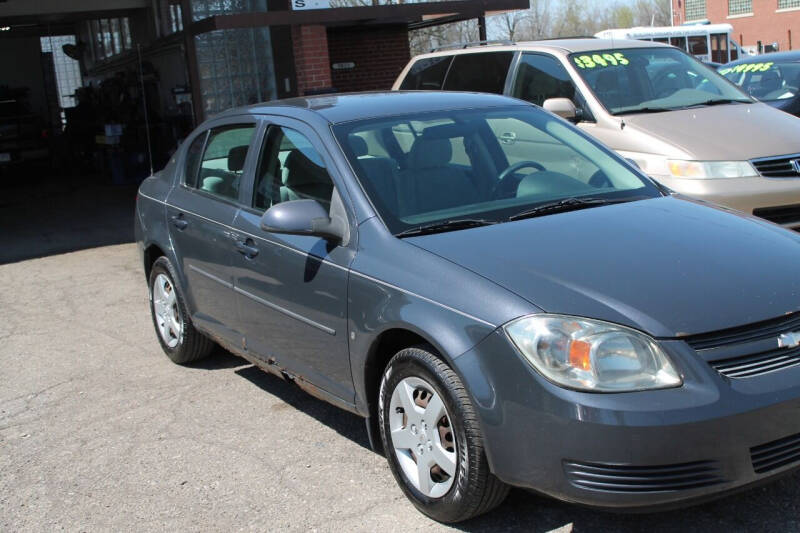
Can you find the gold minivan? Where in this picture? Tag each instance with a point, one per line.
(678, 120)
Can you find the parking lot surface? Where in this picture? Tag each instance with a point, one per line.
(100, 431)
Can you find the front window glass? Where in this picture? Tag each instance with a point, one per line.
(223, 160)
(290, 168)
(646, 80)
(541, 77)
(486, 164)
(766, 80)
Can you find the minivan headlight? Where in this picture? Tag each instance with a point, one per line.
(659, 165)
(592, 355)
(704, 170)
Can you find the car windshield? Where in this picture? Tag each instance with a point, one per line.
(647, 80)
(460, 168)
(766, 80)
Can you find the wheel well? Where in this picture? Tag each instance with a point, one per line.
(152, 253)
(383, 349)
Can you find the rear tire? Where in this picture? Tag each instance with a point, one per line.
(177, 335)
(459, 485)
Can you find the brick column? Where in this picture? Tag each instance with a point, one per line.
(311, 60)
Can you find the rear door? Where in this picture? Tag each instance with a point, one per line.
(292, 289)
(200, 211)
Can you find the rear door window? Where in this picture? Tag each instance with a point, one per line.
(223, 160)
(193, 155)
(427, 74)
(484, 72)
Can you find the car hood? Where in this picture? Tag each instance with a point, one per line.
(731, 132)
(667, 266)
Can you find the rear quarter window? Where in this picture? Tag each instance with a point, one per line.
(484, 72)
(427, 74)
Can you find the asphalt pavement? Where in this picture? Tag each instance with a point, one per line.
(99, 431)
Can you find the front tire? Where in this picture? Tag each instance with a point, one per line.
(177, 335)
(432, 438)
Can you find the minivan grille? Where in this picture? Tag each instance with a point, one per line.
(758, 364)
(775, 454)
(749, 333)
(781, 214)
(777, 167)
(625, 478)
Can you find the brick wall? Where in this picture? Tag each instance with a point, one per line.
(379, 55)
(767, 23)
(312, 64)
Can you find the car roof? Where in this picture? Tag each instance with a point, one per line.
(789, 55)
(569, 46)
(346, 107)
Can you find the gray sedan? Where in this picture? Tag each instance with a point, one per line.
(503, 299)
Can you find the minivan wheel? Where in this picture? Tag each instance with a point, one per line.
(432, 438)
(179, 339)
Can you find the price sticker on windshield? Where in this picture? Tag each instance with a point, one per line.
(748, 67)
(606, 59)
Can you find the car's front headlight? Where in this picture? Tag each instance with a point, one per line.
(592, 355)
(704, 170)
(658, 165)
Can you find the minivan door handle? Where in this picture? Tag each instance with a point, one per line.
(179, 222)
(247, 248)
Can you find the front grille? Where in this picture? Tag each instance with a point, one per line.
(749, 351)
(782, 214)
(758, 364)
(775, 454)
(625, 478)
(777, 167)
(749, 333)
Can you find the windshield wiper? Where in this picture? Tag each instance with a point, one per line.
(718, 101)
(569, 204)
(642, 110)
(446, 225)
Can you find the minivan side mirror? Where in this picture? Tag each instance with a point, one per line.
(563, 107)
(302, 217)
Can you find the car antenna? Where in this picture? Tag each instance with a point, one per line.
(144, 103)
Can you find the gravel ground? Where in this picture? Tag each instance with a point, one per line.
(99, 431)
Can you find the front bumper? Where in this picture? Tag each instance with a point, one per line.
(641, 450)
(744, 194)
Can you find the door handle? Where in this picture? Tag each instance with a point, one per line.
(246, 248)
(179, 222)
(508, 137)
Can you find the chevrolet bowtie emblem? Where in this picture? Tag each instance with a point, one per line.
(789, 340)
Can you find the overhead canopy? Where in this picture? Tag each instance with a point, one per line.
(60, 11)
(416, 15)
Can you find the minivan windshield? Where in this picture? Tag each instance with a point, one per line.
(650, 80)
(766, 80)
(449, 170)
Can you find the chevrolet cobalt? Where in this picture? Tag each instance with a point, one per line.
(504, 300)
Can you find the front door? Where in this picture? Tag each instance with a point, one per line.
(200, 212)
(292, 290)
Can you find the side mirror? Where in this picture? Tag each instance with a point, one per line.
(302, 217)
(563, 107)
